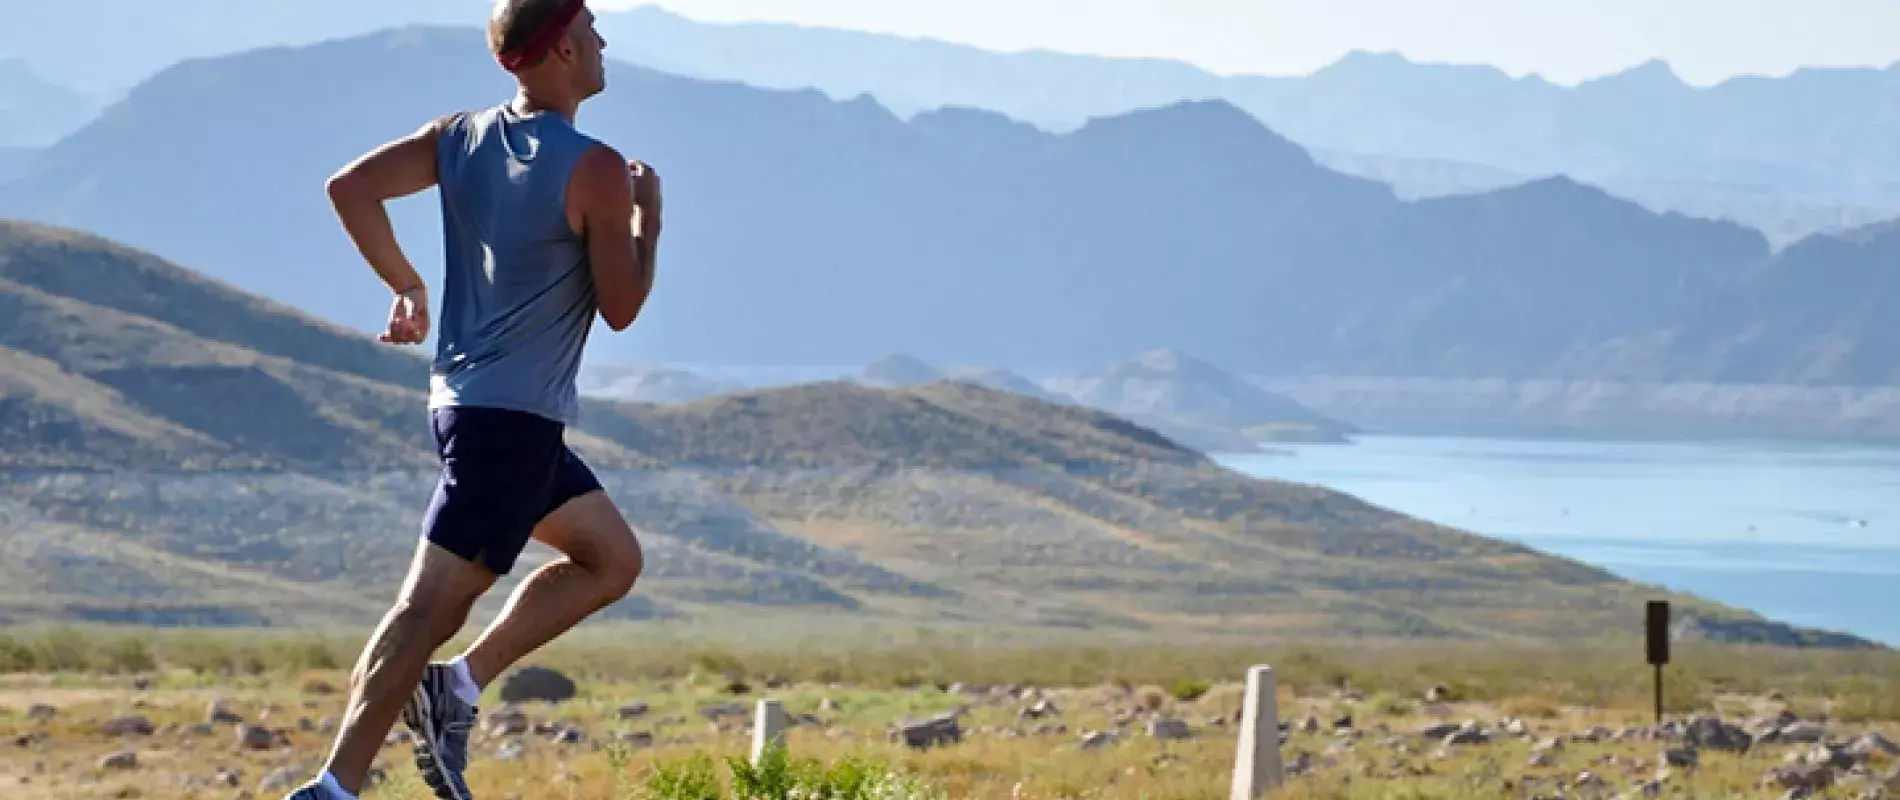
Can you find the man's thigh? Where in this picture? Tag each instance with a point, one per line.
(584, 524)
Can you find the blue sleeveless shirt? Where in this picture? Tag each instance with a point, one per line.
(518, 291)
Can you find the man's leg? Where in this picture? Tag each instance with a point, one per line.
(433, 603)
(602, 559)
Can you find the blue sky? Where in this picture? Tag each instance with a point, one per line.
(1563, 40)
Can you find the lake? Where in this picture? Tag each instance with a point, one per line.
(1808, 534)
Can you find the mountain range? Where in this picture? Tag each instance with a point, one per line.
(1242, 248)
(1788, 155)
(181, 452)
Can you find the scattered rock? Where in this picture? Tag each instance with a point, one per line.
(255, 737)
(1594, 735)
(217, 713)
(1097, 740)
(529, 684)
(279, 780)
(200, 729)
(124, 759)
(636, 739)
(1310, 724)
(1550, 745)
(633, 710)
(1685, 757)
(1802, 733)
(1300, 764)
(1872, 742)
(716, 713)
(933, 732)
(133, 725)
(226, 777)
(511, 750)
(738, 686)
(1440, 730)
(1543, 759)
(828, 704)
(1809, 777)
(777, 681)
(1342, 723)
(41, 712)
(319, 688)
(1047, 729)
(1041, 708)
(506, 721)
(1711, 733)
(141, 683)
(1438, 694)
(1469, 733)
(569, 734)
(1169, 728)
(1517, 727)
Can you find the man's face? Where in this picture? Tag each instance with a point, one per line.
(589, 63)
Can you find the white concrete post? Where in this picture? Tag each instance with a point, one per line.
(768, 728)
(1257, 757)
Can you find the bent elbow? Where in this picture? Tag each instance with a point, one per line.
(617, 319)
(339, 188)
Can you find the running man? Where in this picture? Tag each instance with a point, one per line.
(545, 227)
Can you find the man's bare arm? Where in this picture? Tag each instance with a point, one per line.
(601, 200)
(358, 192)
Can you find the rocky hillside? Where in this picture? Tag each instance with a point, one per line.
(179, 452)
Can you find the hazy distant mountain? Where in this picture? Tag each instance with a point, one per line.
(1242, 249)
(38, 112)
(897, 371)
(1781, 217)
(648, 384)
(1790, 155)
(1198, 403)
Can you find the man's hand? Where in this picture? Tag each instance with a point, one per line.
(408, 317)
(358, 191)
(647, 196)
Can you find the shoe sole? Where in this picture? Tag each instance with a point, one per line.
(420, 715)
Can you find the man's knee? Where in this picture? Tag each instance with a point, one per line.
(622, 568)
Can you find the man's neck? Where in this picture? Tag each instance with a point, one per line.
(530, 101)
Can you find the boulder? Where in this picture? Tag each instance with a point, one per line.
(1711, 733)
(132, 725)
(1870, 743)
(1685, 757)
(124, 759)
(217, 713)
(1097, 740)
(933, 732)
(1804, 777)
(1169, 728)
(255, 737)
(1802, 733)
(529, 684)
(506, 721)
(633, 710)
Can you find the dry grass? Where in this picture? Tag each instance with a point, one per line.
(272, 680)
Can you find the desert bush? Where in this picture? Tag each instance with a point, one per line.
(1188, 690)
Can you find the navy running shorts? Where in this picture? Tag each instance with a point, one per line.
(503, 471)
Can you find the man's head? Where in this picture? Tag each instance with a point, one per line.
(551, 42)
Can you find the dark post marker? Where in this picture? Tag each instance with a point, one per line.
(1658, 628)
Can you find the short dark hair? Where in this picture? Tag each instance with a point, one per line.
(513, 21)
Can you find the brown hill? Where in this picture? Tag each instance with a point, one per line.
(178, 452)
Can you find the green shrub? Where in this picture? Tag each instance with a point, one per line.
(1188, 690)
(690, 778)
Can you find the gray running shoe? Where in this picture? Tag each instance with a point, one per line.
(442, 723)
(313, 790)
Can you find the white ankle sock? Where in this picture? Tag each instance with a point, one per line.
(329, 782)
(465, 687)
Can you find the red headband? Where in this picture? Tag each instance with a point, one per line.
(530, 51)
